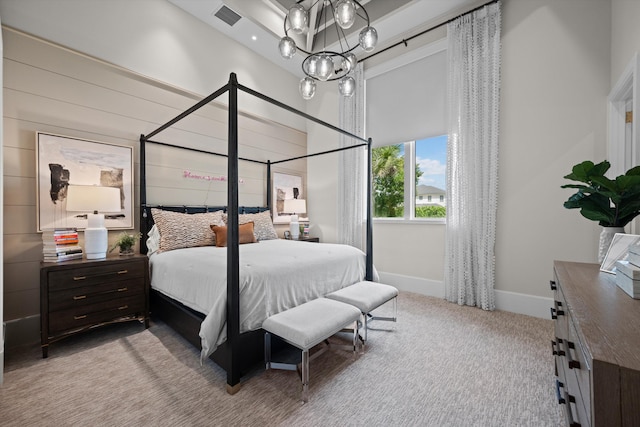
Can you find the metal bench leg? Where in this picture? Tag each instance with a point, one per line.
(305, 376)
(267, 350)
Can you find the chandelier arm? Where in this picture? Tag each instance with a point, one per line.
(361, 8)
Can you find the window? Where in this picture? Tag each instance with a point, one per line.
(409, 177)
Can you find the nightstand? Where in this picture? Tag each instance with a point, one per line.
(309, 239)
(82, 294)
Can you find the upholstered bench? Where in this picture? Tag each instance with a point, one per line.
(367, 296)
(307, 325)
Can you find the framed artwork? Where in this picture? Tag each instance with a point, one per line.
(618, 251)
(62, 161)
(285, 187)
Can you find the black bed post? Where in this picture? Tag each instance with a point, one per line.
(233, 251)
(144, 220)
(369, 267)
(269, 185)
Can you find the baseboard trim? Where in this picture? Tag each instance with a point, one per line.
(514, 302)
(21, 332)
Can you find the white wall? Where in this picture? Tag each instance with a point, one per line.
(158, 40)
(625, 35)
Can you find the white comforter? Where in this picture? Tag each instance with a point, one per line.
(274, 275)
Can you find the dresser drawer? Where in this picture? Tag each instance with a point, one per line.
(86, 295)
(74, 318)
(83, 276)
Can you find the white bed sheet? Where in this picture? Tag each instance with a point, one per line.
(274, 275)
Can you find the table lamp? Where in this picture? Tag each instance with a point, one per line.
(295, 207)
(96, 199)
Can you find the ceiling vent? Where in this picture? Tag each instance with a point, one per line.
(227, 15)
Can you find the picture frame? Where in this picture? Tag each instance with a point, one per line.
(618, 251)
(285, 186)
(62, 161)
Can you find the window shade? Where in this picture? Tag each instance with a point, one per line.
(408, 102)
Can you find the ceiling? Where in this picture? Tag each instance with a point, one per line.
(260, 26)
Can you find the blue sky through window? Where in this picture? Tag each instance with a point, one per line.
(431, 156)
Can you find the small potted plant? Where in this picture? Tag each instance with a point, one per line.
(612, 202)
(125, 242)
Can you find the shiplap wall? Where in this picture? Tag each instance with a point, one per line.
(52, 89)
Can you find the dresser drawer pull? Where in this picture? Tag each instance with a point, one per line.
(571, 399)
(123, 289)
(559, 394)
(79, 277)
(78, 297)
(84, 316)
(553, 347)
(552, 284)
(573, 364)
(560, 350)
(124, 307)
(123, 271)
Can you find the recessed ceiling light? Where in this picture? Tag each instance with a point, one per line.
(254, 38)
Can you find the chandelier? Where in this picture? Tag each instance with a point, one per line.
(323, 64)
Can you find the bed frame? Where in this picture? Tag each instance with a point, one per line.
(241, 351)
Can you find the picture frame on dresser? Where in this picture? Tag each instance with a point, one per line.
(62, 161)
(618, 251)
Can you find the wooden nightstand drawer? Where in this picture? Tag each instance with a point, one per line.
(79, 295)
(84, 276)
(60, 321)
(86, 295)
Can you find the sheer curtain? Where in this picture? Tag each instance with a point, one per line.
(472, 157)
(352, 169)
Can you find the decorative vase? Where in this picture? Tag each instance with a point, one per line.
(606, 235)
(126, 251)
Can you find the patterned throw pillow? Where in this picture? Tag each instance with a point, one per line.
(245, 234)
(180, 230)
(263, 226)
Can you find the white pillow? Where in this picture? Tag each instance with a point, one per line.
(153, 241)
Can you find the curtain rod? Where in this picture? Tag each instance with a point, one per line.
(404, 41)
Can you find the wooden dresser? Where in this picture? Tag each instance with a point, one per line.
(82, 294)
(596, 347)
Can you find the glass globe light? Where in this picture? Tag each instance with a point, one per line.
(368, 38)
(345, 13)
(307, 87)
(287, 47)
(325, 67)
(347, 86)
(310, 66)
(298, 19)
(353, 61)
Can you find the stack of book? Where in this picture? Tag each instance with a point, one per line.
(628, 272)
(60, 244)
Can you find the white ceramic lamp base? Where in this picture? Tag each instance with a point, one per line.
(95, 237)
(294, 227)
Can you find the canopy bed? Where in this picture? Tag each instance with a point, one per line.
(243, 347)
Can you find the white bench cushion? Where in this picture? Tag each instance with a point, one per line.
(365, 295)
(312, 322)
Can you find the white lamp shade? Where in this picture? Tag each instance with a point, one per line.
(295, 206)
(92, 198)
(96, 199)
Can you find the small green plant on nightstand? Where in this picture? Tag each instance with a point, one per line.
(125, 242)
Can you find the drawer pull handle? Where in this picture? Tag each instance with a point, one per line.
(560, 350)
(77, 297)
(123, 271)
(559, 394)
(552, 284)
(84, 316)
(553, 347)
(124, 307)
(123, 289)
(573, 364)
(79, 277)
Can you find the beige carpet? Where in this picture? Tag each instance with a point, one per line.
(442, 365)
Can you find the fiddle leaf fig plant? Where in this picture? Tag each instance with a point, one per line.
(611, 202)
